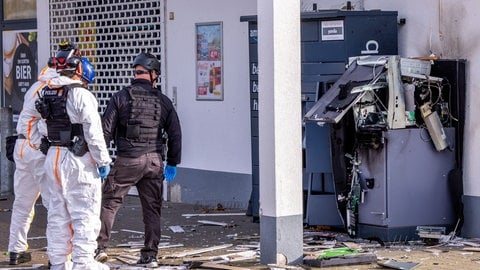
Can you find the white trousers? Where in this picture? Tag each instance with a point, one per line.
(74, 208)
(28, 180)
(80, 266)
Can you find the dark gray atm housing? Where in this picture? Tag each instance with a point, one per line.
(328, 39)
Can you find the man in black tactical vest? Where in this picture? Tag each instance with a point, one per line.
(136, 118)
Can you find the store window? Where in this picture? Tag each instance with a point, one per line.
(19, 66)
(19, 9)
(18, 42)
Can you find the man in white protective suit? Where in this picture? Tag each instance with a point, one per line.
(28, 179)
(77, 160)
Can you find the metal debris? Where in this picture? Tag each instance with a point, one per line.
(198, 251)
(213, 215)
(208, 222)
(176, 229)
(398, 265)
(126, 230)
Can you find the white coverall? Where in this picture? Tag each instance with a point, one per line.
(75, 186)
(29, 176)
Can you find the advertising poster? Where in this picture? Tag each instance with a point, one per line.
(19, 67)
(209, 65)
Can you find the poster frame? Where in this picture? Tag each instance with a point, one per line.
(209, 70)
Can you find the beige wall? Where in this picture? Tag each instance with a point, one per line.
(216, 134)
(449, 29)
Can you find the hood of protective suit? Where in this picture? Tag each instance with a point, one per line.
(47, 74)
(61, 81)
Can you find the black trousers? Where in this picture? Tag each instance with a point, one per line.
(146, 173)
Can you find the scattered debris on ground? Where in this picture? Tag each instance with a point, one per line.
(237, 246)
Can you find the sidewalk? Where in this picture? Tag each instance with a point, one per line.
(199, 232)
(194, 235)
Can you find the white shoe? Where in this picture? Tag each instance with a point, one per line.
(94, 265)
(68, 265)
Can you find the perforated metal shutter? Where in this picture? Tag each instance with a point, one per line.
(110, 33)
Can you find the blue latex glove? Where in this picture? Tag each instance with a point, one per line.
(103, 171)
(170, 172)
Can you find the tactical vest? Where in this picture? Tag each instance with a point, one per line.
(52, 105)
(143, 125)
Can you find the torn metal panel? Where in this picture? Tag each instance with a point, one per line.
(396, 101)
(398, 265)
(345, 92)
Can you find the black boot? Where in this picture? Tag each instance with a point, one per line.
(148, 261)
(22, 257)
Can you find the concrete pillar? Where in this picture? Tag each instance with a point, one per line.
(43, 32)
(471, 171)
(280, 132)
(7, 167)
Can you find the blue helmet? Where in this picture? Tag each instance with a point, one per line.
(88, 72)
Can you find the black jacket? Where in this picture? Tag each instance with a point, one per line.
(117, 113)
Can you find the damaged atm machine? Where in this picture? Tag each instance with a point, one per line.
(396, 128)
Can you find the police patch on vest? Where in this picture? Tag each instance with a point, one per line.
(52, 105)
(52, 102)
(53, 92)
